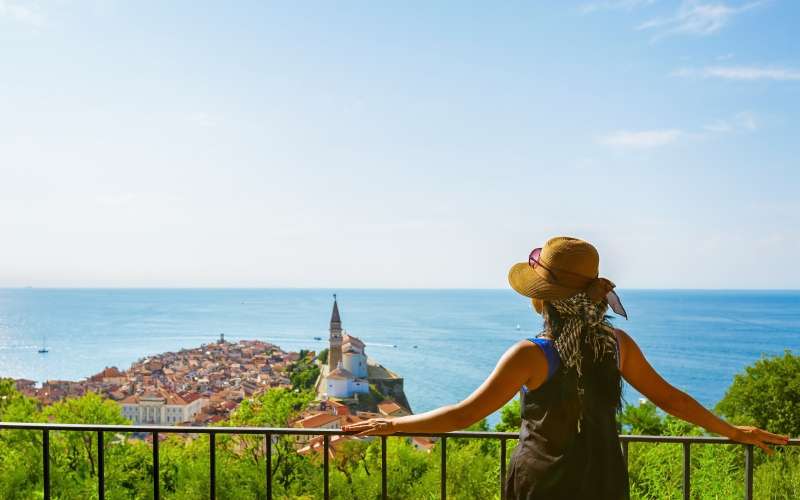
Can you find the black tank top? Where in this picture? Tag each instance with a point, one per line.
(553, 459)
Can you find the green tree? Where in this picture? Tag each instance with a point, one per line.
(642, 419)
(20, 451)
(76, 452)
(510, 417)
(303, 374)
(766, 395)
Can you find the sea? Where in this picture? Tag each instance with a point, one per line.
(443, 343)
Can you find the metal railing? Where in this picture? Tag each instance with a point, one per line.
(270, 432)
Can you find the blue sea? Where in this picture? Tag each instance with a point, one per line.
(698, 340)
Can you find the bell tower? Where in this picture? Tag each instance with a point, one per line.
(335, 339)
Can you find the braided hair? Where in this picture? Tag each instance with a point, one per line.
(587, 346)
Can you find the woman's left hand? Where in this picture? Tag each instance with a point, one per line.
(372, 427)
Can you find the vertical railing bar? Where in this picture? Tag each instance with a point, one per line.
(443, 468)
(268, 452)
(384, 486)
(101, 479)
(212, 464)
(625, 452)
(748, 467)
(502, 468)
(156, 490)
(687, 480)
(46, 462)
(326, 443)
(624, 443)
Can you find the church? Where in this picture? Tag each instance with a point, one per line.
(346, 354)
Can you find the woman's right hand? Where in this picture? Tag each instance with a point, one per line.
(759, 437)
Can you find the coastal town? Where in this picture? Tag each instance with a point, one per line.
(203, 385)
(196, 386)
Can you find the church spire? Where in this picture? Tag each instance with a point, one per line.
(335, 314)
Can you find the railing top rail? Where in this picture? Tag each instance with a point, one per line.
(167, 429)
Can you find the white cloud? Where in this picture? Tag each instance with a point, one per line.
(745, 73)
(203, 119)
(643, 139)
(591, 7)
(22, 12)
(719, 127)
(696, 18)
(741, 122)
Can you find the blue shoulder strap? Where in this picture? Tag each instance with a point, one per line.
(553, 360)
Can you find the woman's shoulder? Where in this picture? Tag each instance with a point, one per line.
(547, 347)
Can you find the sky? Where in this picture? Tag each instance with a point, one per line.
(397, 144)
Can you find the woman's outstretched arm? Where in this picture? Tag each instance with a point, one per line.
(638, 372)
(524, 363)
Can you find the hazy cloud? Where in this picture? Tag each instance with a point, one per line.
(696, 18)
(203, 119)
(22, 12)
(642, 139)
(746, 73)
(741, 122)
(591, 7)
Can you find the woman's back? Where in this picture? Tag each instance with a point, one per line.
(569, 447)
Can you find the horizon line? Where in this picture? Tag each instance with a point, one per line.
(421, 289)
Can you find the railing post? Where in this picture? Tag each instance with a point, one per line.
(156, 491)
(502, 468)
(46, 462)
(687, 486)
(101, 480)
(325, 444)
(748, 472)
(212, 465)
(384, 487)
(624, 444)
(443, 468)
(268, 452)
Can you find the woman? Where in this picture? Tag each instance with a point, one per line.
(570, 378)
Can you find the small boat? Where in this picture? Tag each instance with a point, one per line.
(517, 327)
(415, 347)
(44, 349)
(394, 345)
(317, 338)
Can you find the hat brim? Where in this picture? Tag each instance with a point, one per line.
(526, 281)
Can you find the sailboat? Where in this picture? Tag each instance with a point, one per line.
(43, 349)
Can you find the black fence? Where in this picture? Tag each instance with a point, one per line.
(270, 432)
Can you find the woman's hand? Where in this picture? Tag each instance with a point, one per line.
(759, 437)
(372, 427)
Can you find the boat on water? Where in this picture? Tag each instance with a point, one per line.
(317, 338)
(44, 349)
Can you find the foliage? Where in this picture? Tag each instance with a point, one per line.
(304, 372)
(766, 395)
(510, 417)
(642, 419)
(473, 469)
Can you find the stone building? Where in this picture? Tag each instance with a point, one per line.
(162, 407)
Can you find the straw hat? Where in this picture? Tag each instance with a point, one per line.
(562, 268)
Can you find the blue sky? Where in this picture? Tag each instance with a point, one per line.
(413, 144)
